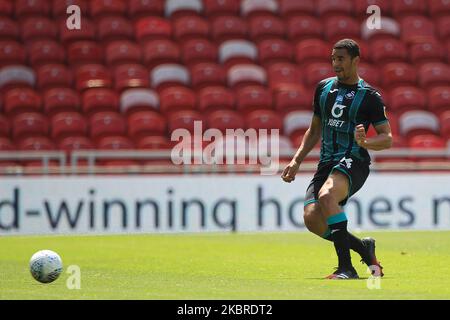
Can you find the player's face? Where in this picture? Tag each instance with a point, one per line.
(343, 65)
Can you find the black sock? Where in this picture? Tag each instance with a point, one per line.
(355, 243)
(341, 239)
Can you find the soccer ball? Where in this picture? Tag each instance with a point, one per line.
(46, 266)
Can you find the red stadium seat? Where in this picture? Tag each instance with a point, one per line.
(341, 27)
(264, 119)
(242, 75)
(443, 28)
(136, 100)
(39, 28)
(389, 29)
(6, 8)
(4, 126)
(417, 29)
(11, 52)
(92, 76)
(84, 52)
(282, 73)
(418, 122)
(215, 8)
(179, 8)
(61, 100)
(402, 8)
(318, 71)
(166, 75)
(252, 98)
(439, 99)
(369, 73)
(26, 8)
(327, 8)
(36, 144)
(53, 76)
(114, 28)
(115, 142)
(312, 50)
(225, 119)
(102, 124)
(275, 51)
(6, 145)
(407, 98)
(215, 98)
(438, 8)
(29, 124)
(145, 8)
(252, 9)
(398, 74)
(304, 28)
(161, 51)
(69, 144)
(360, 7)
(66, 124)
(177, 98)
(296, 123)
(233, 52)
(45, 52)
(434, 74)
(388, 50)
(153, 28)
(121, 52)
(289, 8)
(146, 123)
(190, 27)
(21, 100)
(266, 27)
(207, 74)
(227, 28)
(9, 29)
(102, 8)
(427, 141)
(426, 52)
(292, 98)
(445, 124)
(154, 143)
(184, 120)
(16, 77)
(98, 100)
(59, 8)
(85, 33)
(197, 51)
(128, 76)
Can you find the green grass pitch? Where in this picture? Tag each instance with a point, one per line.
(225, 266)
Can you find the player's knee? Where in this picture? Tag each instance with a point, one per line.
(310, 218)
(326, 198)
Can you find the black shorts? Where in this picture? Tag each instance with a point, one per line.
(356, 170)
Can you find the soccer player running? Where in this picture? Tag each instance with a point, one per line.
(344, 107)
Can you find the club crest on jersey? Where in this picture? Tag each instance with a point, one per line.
(350, 95)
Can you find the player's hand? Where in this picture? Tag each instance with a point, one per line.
(290, 171)
(360, 135)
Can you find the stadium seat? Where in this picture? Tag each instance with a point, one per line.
(360, 8)
(114, 29)
(35, 144)
(296, 123)
(102, 124)
(233, 52)
(242, 75)
(6, 8)
(341, 27)
(177, 98)
(58, 100)
(98, 100)
(252, 98)
(70, 144)
(290, 8)
(398, 74)
(444, 120)
(190, 27)
(38, 28)
(16, 76)
(438, 8)
(45, 52)
(11, 53)
(9, 29)
(122, 52)
(439, 99)
(29, 124)
(59, 8)
(370, 73)
(115, 142)
(54, 76)
(127, 76)
(215, 98)
(390, 29)
(228, 28)
(86, 33)
(443, 28)
(166, 75)
(403, 8)
(427, 141)
(312, 50)
(161, 51)
(304, 28)
(66, 124)
(215, 8)
(407, 98)
(6, 145)
(91, 76)
(153, 28)
(4, 126)
(180, 8)
(103, 8)
(316, 72)
(434, 74)
(256, 8)
(292, 98)
(197, 51)
(282, 73)
(146, 123)
(84, 52)
(418, 122)
(387, 50)
(145, 8)
(154, 143)
(27, 8)
(417, 29)
(263, 119)
(137, 100)
(426, 52)
(225, 119)
(184, 120)
(274, 51)
(266, 27)
(21, 100)
(207, 74)
(328, 8)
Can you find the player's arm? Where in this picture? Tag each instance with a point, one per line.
(310, 139)
(383, 139)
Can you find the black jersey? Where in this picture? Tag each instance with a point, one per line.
(341, 108)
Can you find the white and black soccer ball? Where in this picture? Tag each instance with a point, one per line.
(46, 266)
